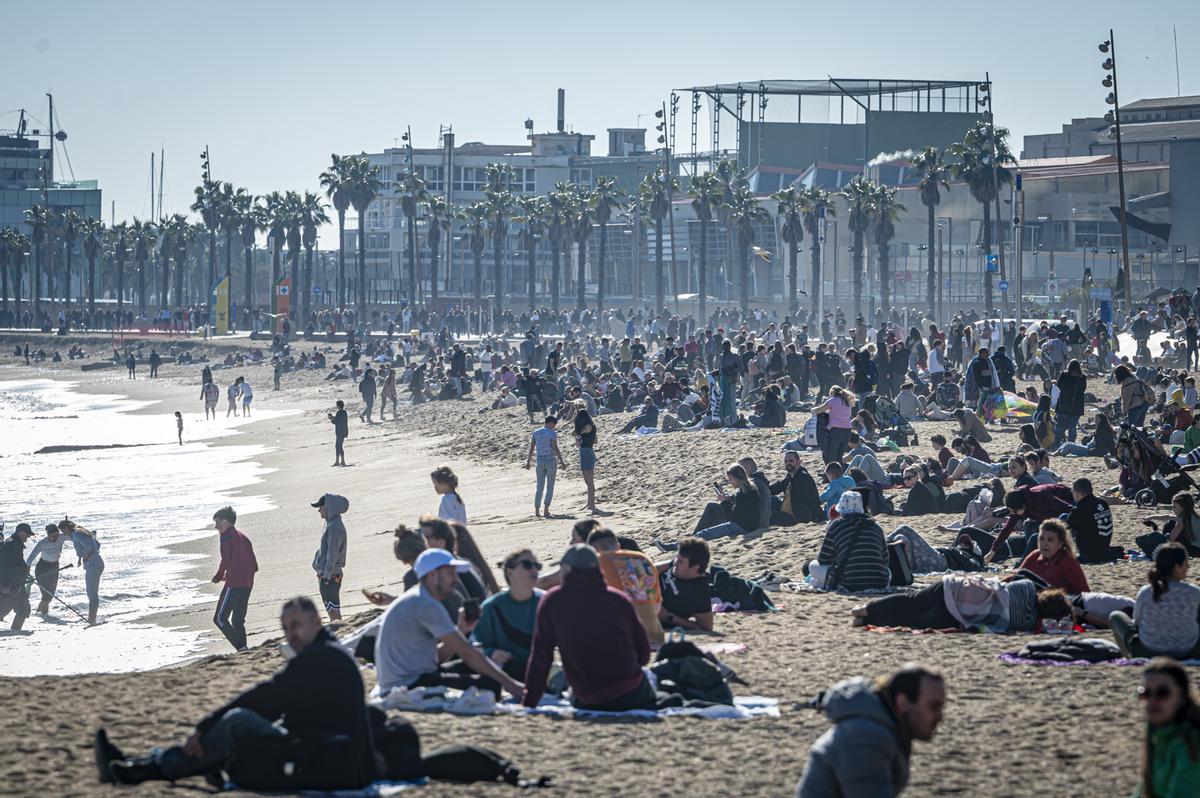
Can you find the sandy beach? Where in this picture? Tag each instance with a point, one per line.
(1009, 730)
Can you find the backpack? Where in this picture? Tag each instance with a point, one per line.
(694, 678)
(467, 764)
(898, 564)
(291, 764)
(398, 742)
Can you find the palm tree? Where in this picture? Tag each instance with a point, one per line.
(119, 245)
(744, 214)
(706, 191)
(606, 198)
(581, 229)
(336, 184)
(885, 210)
(974, 165)
(656, 191)
(858, 194)
(12, 252)
(732, 178)
(532, 215)
(92, 232)
(39, 219)
(227, 219)
(815, 204)
(291, 222)
(185, 236)
(933, 174)
(143, 234)
(312, 216)
(558, 231)
(208, 205)
(246, 220)
(362, 181)
(499, 200)
(71, 226)
(412, 196)
(475, 220)
(169, 230)
(439, 219)
(274, 210)
(790, 211)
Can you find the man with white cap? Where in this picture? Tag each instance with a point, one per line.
(416, 634)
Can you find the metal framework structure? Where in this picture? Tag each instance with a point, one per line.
(868, 94)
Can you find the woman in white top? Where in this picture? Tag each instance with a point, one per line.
(451, 508)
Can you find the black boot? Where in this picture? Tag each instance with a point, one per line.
(105, 752)
(135, 771)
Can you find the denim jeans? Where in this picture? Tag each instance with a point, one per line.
(974, 467)
(547, 471)
(727, 529)
(219, 743)
(1070, 449)
(870, 466)
(1137, 416)
(1065, 427)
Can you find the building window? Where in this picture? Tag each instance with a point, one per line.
(469, 178)
(581, 175)
(523, 180)
(432, 175)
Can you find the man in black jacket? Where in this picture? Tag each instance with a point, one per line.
(920, 500)
(13, 573)
(317, 696)
(789, 505)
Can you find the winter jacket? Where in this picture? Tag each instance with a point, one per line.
(855, 548)
(744, 508)
(331, 556)
(238, 564)
(600, 640)
(1071, 394)
(1173, 771)
(1061, 571)
(863, 755)
(921, 501)
(799, 496)
(1041, 502)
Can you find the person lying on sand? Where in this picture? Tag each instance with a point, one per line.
(318, 695)
(967, 602)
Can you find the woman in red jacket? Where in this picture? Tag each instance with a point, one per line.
(1055, 559)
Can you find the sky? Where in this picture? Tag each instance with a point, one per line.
(273, 88)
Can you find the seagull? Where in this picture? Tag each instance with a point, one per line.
(762, 253)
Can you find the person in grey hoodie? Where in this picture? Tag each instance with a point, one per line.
(331, 557)
(866, 753)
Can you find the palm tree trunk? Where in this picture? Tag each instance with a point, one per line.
(857, 259)
(931, 277)
(212, 259)
(341, 276)
(531, 255)
(581, 262)
(412, 261)
(817, 280)
(601, 271)
(293, 305)
(744, 270)
(884, 286)
(120, 289)
(987, 250)
(164, 275)
(497, 280)
(180, 268)
(793, 277)
(307, 295)
(229, 259)
(702, 281)
(660, 291)
(554, 264)
(141, 286)
(434, 250)
(36, 288)
(67, 288)
(91, 282)
(4, 285)
(362, 267)
(248, 279)
(478, 257)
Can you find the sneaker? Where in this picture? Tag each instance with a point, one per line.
(105, 752)
(135, 771)
(666, 546)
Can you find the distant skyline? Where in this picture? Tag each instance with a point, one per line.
(273, 88)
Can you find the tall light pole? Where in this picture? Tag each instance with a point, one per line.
(1114, 115)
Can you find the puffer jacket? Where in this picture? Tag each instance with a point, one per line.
(863, 755)
(331, 556)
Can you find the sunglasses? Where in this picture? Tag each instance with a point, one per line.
(1158, 693)
(530, 565)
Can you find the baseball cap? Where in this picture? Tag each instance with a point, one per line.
(581, 556)
(24, 527)
(432, 559)
(319, 502)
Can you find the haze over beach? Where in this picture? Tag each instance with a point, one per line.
(759, 400)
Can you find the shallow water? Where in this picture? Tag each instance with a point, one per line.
(143, 494)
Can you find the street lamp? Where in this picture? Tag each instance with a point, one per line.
(1113, 115)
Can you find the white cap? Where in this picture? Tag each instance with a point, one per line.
(432, 559)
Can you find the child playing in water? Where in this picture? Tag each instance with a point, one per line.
(179, 426)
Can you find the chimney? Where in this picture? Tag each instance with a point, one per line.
(562, 110)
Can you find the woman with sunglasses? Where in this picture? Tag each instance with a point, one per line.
(505, 628)
(1171, 759)
(1165, 613)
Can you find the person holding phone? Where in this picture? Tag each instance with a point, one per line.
(341, 430)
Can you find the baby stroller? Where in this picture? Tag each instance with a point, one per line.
(1148, 476)
(889, 419)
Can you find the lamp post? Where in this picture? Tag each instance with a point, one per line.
(1109, 65)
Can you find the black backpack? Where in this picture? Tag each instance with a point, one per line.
(291, 764)
(467, 764)
(898, 564)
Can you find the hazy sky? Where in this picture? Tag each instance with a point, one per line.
(275, 87)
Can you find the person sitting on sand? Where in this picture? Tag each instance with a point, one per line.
(1170, 767)
(1091, 524)
(1038, 463)
(506, 620)
(732, 515)
(686, 591)
(966, 602)
(634, 574)
(318, 695)
(418, 645)
(921, 499)
(1027, 507)
(1164, 621)
(1182, 526)
(867, 751)
(1054, 559)
(794, 498)
(839, 483)
(924, 558)
(602, 645)
(853, 554)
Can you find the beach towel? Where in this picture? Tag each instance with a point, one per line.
(1018, 406)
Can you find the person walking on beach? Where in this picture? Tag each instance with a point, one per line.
(155, 361)
(179, 426)
(388, 393)
(45, 569)
(544, 442)
(585, 435)
(366, 387)
(232, 393)
(210, 393)
(26, 353)
(331, 556)
(131, 364)
(247, 395)
(206, 376)
(277, 370)
(13, 573)
(87, 549)
(341, 430)
(237, 569)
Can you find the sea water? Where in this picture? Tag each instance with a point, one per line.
(140, 494)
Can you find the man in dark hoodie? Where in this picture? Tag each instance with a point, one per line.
(317, 697)
(237, 569)
(341, 429)
(331, 556)
(866, 753)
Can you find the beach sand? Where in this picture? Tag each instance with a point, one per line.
(1009, 730)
